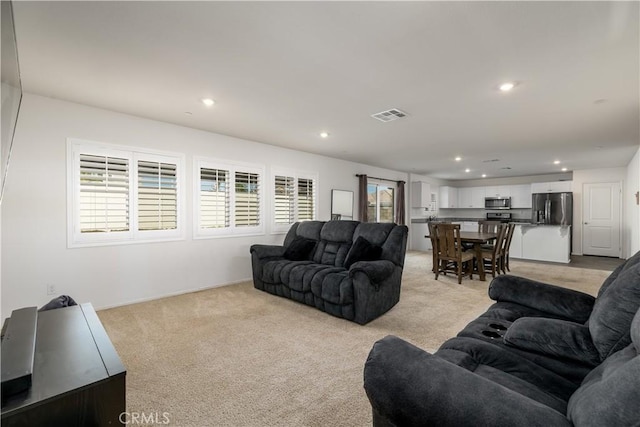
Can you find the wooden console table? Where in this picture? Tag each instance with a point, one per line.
(78, 378)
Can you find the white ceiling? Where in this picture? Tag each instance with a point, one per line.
(282, 72)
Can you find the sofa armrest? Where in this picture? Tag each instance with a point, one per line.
(410, 387)
(555, 300)
(377, 271)
(553, 337)
(267, 251)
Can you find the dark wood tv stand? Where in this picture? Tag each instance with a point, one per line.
(78, 378)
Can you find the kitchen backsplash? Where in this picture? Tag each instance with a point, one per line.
(469, 213)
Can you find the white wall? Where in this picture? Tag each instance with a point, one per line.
(34, 211)
(592, 176)
(632, 209)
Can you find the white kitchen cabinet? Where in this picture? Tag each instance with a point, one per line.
(521, 196)
(546, 243)
(551, 187)
(498, 191)
(420, 194)
(448, 197)
(469, 226)
(418, 241)
(464, 197)
(477, 197)
(471, 197)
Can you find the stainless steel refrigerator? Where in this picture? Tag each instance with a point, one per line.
(552, 208)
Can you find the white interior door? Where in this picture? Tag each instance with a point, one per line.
(601, 219)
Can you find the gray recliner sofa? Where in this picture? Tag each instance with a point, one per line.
(348, 269)
(540, 355)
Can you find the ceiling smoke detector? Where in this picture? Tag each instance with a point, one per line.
(389, 115)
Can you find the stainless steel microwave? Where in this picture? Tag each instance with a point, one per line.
(497, 202)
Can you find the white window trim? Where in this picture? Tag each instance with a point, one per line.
(296, 174)
(75, 239)
(388, 184)
(232, 167)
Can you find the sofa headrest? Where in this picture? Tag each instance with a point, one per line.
(614, 310)
(375, 232)
(310, 229)
(338, 231)
(631, 262)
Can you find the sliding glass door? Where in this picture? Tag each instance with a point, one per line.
(380, 202)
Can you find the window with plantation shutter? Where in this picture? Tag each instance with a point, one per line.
(122, 194)
(104, 194)
(306, 200)
(228, 199)
(284, 200)
(247, 206)
(294, 198)
(214, 198)
(157, 196)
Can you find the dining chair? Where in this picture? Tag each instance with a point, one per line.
(504, 256)
(488, 226)
(434, 244)
(451, 256)
(492, 257)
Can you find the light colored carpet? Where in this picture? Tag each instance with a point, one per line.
(236, 356)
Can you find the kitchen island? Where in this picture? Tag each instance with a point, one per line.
(541, 242)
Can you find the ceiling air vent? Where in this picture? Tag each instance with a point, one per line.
(389, 115)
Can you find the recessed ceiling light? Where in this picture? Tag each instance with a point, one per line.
(484, 175)
(507, 86)
(458, 158)
(467, 170)
(208, 102)
(563, 169)
(324, 134)
(556, 162)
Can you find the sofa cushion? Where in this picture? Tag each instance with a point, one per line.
(631, 262)
(333, 285)
(300, 249)
(553, 337)
(609, 395)
(613, 311)
(362, 250)
(273, 271)
(301, 276)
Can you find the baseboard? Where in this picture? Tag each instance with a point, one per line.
(172, 294)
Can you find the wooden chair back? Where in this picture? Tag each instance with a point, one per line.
(448, 241)
(487, 226)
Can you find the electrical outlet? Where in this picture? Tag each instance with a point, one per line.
(51, 289)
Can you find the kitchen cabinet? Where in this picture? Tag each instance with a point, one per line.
(551, 187)
(420, 194)
(471, 197)
(521, 196)
(498, 191)
(448, 197)
(418, 240)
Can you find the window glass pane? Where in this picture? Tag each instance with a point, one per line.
(386, 203)
(284, 200)
(247, 203)
(214, 198)
(104, 194)
(157, 196)
(306, 200)
(372, 202)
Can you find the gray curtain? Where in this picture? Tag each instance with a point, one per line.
(400, 204)
(362, 199)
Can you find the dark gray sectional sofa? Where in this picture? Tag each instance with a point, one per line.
(348, 269)
(541, 355)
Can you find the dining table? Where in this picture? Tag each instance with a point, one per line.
(477, 239)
